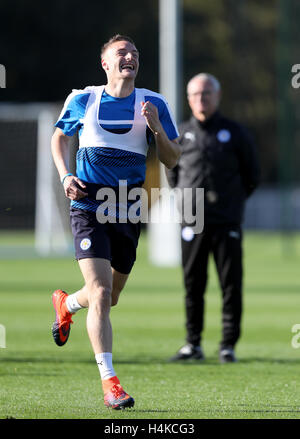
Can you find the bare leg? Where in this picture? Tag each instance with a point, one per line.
(102, 283)
(119, 281)
(97, 274)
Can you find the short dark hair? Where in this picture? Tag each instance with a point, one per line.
(114, 39)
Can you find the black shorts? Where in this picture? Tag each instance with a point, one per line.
(116, 242)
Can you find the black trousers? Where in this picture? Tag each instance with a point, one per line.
(225, 244)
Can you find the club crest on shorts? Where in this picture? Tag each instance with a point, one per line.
(187, 234)
(224, 136)
(85, 244)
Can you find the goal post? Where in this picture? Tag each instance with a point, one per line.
(34, 200)
(164, 236)
(51, 234)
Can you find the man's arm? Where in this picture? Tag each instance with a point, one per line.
(60, 151)
(172, 176)
(168, 151)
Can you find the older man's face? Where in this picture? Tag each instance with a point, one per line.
(203, 98)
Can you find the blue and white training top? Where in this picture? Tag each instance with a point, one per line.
(113, 136)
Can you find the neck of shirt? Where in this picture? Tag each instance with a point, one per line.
(119, 90)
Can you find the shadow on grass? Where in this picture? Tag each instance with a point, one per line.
(210, 361)
(204, 411)
(44, 287)
(220, 412)
(269, 360)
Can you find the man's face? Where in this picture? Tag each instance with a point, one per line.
(121, 60)
(203, 98)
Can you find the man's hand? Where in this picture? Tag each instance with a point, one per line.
(149, 111)
(73, 188)
(168, 151)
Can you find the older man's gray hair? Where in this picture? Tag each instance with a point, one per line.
(206, 76)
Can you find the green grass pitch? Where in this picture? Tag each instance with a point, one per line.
(40, 380)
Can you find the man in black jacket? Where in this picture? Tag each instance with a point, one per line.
(219, 156)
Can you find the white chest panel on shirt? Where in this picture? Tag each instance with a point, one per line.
(93, 135)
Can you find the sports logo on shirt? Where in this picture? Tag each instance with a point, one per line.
(234, 234)
(85, 244)
(190, 136)
(224, 136)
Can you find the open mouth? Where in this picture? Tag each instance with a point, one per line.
(127, 67)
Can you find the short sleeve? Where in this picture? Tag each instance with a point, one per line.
(165, 116)
(73, 111)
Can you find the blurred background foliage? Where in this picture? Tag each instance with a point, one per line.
(49, 48)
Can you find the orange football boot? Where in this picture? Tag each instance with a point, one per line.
(62, 325)
(114, 395)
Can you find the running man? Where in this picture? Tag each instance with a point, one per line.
(115, 123)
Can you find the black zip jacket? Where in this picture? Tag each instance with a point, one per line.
(219, 156)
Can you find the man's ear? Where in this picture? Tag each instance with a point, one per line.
(104, 64)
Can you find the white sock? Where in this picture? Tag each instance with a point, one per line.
(72, 303)
(104, 361)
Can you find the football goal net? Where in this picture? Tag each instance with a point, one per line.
(32, 195)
